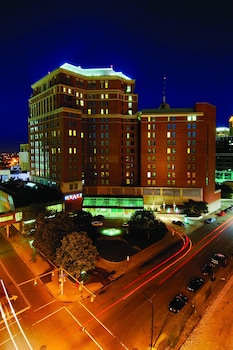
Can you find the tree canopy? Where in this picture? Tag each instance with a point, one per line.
(50, 230)
(145, 228)
(195, 208)
(76, 253)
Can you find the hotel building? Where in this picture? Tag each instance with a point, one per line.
(87, 138)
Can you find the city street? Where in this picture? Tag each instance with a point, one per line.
(130, 312)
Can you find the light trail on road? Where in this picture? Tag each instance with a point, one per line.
(218, 231)
(187, 243)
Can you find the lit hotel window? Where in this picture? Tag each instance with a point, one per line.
(89, 111)
(168, 134)
(148, 174)
(168, 150)
(81, 103)
(130, 112)
(191, 118)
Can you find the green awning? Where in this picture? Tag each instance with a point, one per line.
(133, 202)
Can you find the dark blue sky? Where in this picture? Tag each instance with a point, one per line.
(188, 42)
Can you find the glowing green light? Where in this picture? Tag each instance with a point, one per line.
(111, 232)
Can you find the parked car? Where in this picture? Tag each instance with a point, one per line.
(195, 284)
(97, 223)
(177, 222)
(177, 303)
(210, 220)
(221, 213)
(219, 259)
(207, 269)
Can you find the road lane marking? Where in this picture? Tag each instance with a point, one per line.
(108, 330)
(84, 329)
(15, 284)
(49, 315)
(41, 307)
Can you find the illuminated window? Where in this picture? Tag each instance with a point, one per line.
(191, 118)
(64, 89)
(69, 91)
(70, 150)
(130, 98)
(81, 103)
(168, 134)
(168, 150)
(193, 182)
(77, 94)
(148, 135)
(188, 150)
(148, 174)
(106, 84)
(130, 112)
(130, 105)
(89, 111)
(102, 111)
(106, 111)
(128, 88)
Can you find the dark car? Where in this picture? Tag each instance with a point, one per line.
(219, 259)
(195, 284)
(177, 303)
(207, 269)
(177, 222)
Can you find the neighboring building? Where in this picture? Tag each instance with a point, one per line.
(24, 157)
(19, 198)
(87, 138)
(177, 155)
(224, 154)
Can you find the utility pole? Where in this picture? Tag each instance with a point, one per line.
(152, 320)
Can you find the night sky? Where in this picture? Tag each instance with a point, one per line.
(189, 42)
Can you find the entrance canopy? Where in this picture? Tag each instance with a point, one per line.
(132, 202)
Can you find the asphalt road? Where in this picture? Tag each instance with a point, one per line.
(131, 312)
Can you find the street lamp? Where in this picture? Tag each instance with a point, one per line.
(152, 320)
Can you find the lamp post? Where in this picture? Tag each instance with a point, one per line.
(152, 320)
